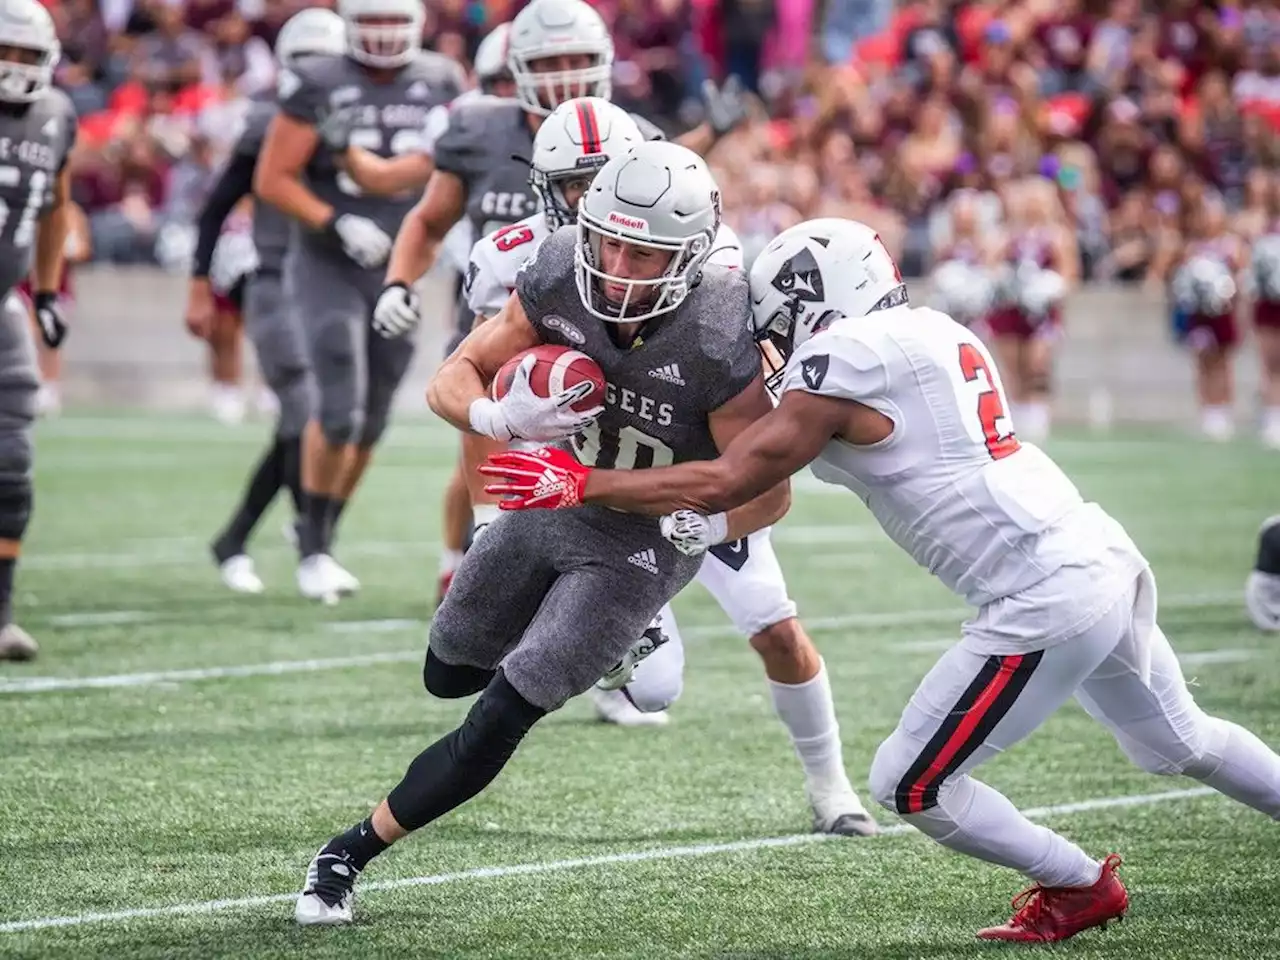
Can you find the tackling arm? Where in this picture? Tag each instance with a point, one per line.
(465, 376)
(424, 229)
(758, 460)
(729, 422)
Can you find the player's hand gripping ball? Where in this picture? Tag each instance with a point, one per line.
(555, 371)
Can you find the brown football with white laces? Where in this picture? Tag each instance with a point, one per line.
(556, 370)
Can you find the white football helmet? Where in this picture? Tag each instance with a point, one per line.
(573, 143)
(1266, 267)
(1204, 285)
(726, 249)
(383, 33)
(314, 31)
(813, 273)
(660, 196)
(962, 290)
(26, 25)
(559, 28)
(491, 56)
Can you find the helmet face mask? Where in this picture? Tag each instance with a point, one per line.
(29, 50)
(558, 50)
(645, 229)
(384, 34)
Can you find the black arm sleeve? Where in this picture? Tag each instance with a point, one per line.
(236, 182)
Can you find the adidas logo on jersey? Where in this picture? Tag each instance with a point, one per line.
(645, 560)
(669, 372)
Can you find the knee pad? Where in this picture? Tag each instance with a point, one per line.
(15, 507)
(341, 427)
(887, 771)
(296, 403)
(451, 681)
(464, 761)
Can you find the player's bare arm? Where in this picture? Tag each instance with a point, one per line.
(465, 376)
(729, 422)
(387, 175)
(760, 458)
(51, 242)
(424, 229)
(277, 179)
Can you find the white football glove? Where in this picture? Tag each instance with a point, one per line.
(693, 534)
(397, 311)
(362, 240)
(523, 415)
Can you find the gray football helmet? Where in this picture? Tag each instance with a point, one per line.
(26, 25)
(661, 196)
(555, 28)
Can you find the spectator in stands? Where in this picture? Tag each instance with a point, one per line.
(171, 55)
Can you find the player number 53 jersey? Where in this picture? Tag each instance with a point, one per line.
(952, 485)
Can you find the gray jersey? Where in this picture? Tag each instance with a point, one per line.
(487, 144)
(687, 363)
(390, 121)
(34, 144)
(270, 226)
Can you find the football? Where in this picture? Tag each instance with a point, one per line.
(557, 369)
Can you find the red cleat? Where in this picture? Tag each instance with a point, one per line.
(1049, 914)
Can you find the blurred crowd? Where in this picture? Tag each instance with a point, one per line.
(1141, 116)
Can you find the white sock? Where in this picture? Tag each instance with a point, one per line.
(449, 560)
(1217, 422)
(974, 819)
(482, 514)
(809, 714)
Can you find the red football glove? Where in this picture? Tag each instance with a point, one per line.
(547, 478)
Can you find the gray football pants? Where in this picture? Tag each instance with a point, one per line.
(274, 330)
(19, 382)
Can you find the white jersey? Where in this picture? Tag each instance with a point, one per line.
(497, 258)
(952, 485)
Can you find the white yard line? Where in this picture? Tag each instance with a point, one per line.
(559, 866)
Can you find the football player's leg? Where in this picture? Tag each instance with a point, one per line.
(1034, 419)
(656, 680)
(1262, 589)
(282, 358)
(19, 383)
(1214, 350)
(1268, 338)
(226, 358)
(969, 708)
(456, 529)
(331, 313)
(1140, 694)
(746, 580)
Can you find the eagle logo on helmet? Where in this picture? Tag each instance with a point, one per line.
(800, 279)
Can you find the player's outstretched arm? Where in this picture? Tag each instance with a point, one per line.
(465, 376)
(729, 422)
(424, 229)
(277, 179)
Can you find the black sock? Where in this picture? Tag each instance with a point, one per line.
(291, 471)
(359, 845)
(7, 567)
(336, 506)
(313, 526)
(264, 483)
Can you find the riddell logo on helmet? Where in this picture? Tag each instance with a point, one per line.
(631, 223)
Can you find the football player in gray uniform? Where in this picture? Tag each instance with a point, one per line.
(37, 132)
(273, 328)
(539, 611)
(478, 172)
(343, 235)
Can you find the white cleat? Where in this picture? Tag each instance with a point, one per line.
(17, 644)
(842, 814)
(317, 579)
(313, 910)
(345, 579)
(614, 706)
(239, 575)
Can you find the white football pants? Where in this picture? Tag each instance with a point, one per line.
(970, 707)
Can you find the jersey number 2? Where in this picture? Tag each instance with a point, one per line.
(990, 403)
(510, 237)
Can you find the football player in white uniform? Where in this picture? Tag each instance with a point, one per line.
(744, 576)
(904, 407)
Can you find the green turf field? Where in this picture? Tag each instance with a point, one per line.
(195, 746)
